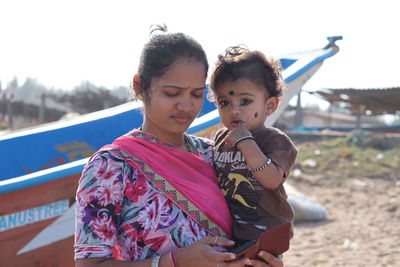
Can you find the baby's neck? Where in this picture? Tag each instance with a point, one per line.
(260, 127)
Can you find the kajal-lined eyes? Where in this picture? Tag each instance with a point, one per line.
(196, 94)
(245, 102)
(171, 94)
(223, 103)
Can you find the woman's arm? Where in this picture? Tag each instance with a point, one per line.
(98, 205)
(110, 263)
(199, 253)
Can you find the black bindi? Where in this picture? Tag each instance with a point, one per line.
(256, 115)
(231, 92)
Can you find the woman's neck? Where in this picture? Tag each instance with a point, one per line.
(177, 140)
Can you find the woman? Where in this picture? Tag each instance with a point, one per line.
(151, 198)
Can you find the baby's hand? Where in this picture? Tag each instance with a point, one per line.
(236, 133)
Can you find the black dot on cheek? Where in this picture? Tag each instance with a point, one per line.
(256, 115)
(231, 93)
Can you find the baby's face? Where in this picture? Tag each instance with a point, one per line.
(242, 101)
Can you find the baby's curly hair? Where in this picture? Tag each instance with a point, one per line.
(241, 63)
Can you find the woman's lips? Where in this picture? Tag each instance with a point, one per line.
(182, 119)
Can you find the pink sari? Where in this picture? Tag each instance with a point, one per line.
(185, 178)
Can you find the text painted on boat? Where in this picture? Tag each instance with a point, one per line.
(33, 215)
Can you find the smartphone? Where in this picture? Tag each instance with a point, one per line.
(275, 241)
(244, 246)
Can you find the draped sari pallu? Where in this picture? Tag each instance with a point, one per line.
(184, 178)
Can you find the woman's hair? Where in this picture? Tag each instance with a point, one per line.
(241, 63)
(162, 50)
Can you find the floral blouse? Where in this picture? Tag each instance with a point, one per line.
(122, 215)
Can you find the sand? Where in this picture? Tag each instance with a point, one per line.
(362, 228)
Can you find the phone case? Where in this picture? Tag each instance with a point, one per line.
(275, 241)
(246, 245)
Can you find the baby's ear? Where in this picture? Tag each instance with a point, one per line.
(137, 86)
(271, 104)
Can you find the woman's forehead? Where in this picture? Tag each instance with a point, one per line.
(184, 74)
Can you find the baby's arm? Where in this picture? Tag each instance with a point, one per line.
(269, 175)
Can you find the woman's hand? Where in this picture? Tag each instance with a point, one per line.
(201, 253)
(269, 258)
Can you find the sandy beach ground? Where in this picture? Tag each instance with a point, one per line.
(362, 228)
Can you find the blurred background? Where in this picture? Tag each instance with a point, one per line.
(63, 58)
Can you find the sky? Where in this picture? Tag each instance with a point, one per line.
(61, 43)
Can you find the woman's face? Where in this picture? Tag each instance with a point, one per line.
(175, 99)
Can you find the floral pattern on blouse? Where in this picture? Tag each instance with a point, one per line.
(121, 215)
